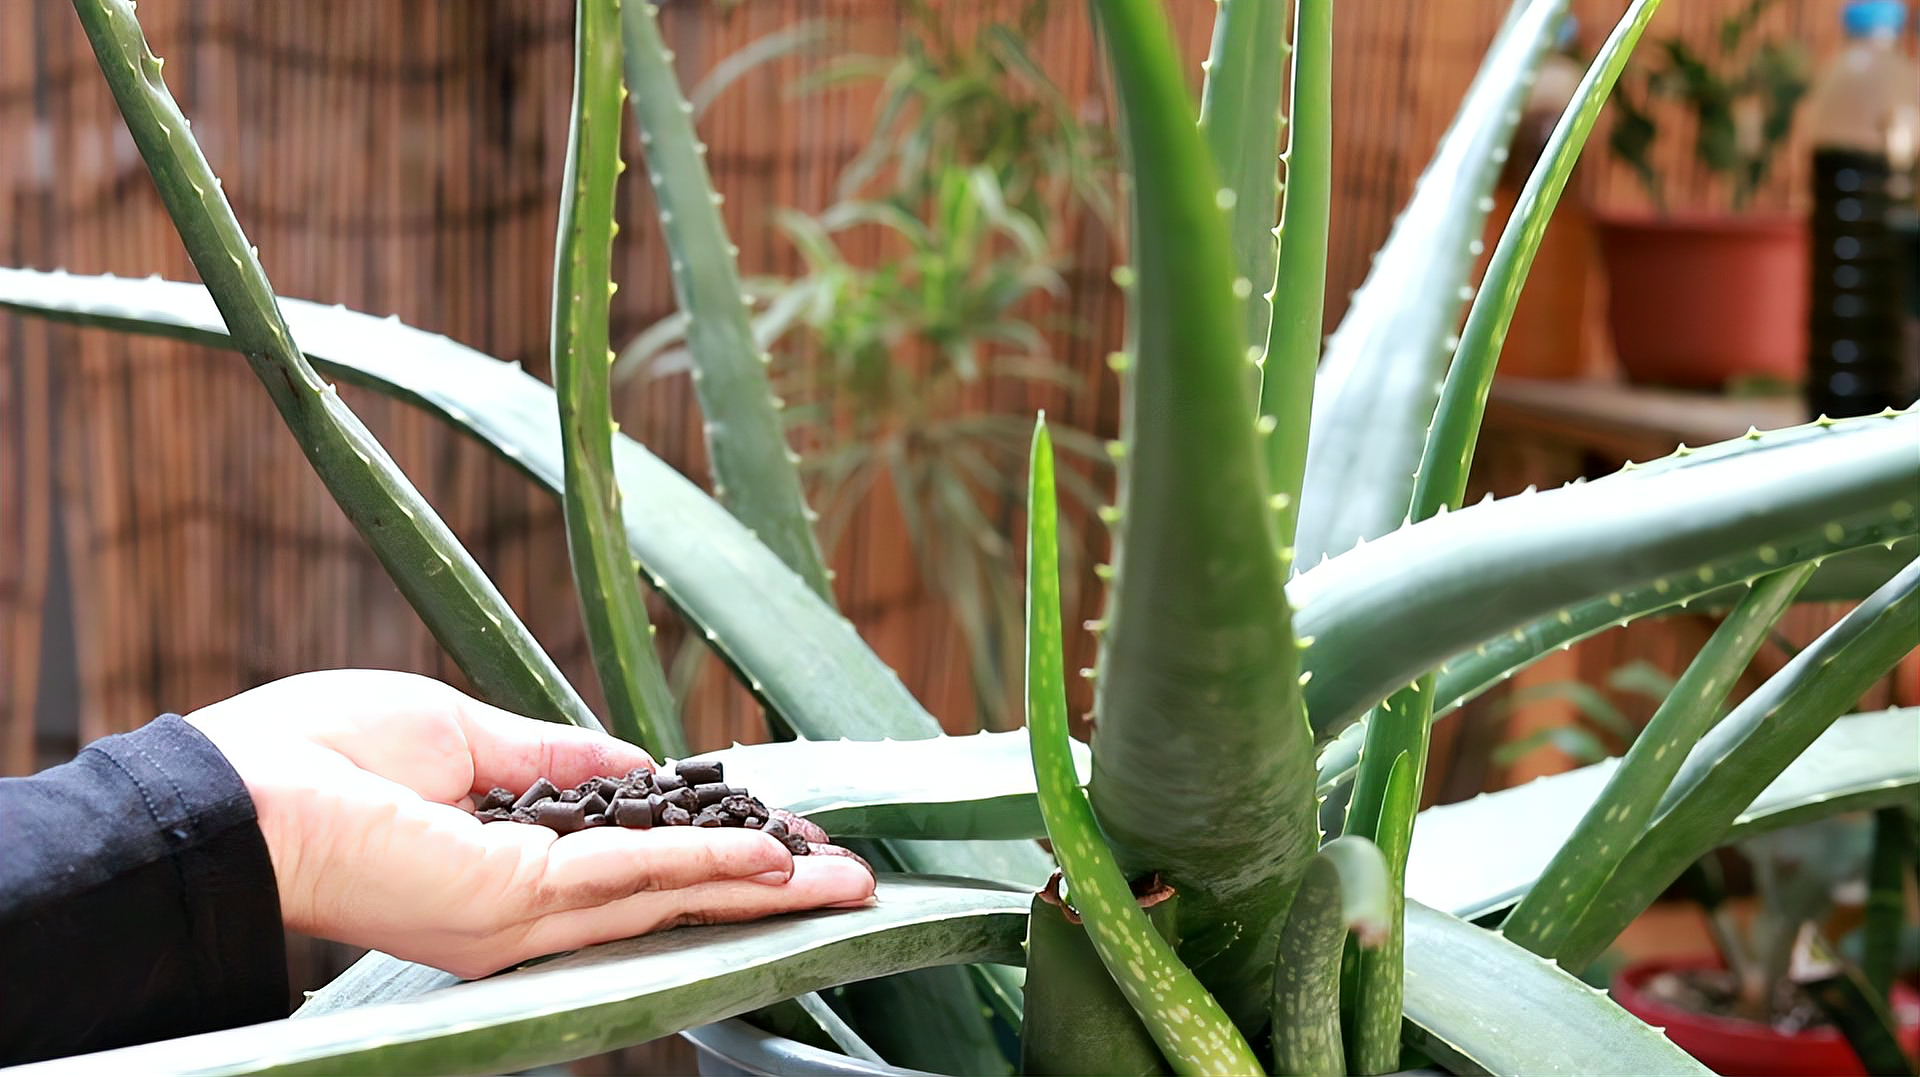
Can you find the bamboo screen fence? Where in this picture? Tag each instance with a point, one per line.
(162, 543)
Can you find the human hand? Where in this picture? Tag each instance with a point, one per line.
(364, 780)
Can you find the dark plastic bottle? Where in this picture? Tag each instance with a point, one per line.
(1866, 139)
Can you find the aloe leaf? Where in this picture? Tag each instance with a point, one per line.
(612, 995)
(1346, 889)
(1402, 723)
(1480, 855)
(1613, 824)
(1076, 1020)
(1376, 389)
(944, 788)
(1477, 1003)
(1186, 1022)
(639, 706)
(753, 466)
(1886, 906)
(1863, 1016)
(1299, 290)
(439, 579)
(1199, 680)
(1463, 398)
(1847, 576)
(1384, 613)
(1747, 750)
(1370, 996)
(1241, 118)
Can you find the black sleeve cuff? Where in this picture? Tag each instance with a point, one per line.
(137, 899)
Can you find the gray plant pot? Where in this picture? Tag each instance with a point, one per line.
(737, 1049)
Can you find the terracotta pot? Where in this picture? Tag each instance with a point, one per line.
(1555, 331)
(1695, 302)
(1731, 1046)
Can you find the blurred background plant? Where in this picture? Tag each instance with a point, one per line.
(902, 374)
(1742, 101)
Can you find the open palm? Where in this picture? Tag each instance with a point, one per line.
(364, 781)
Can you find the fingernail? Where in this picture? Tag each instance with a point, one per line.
(864, 902)
(771, 878)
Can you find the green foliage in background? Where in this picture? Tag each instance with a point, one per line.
(1742, 97)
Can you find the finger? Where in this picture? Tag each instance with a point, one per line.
(511, 751)
(817, 882)
(593, 867)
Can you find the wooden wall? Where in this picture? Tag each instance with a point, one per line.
(162, 543)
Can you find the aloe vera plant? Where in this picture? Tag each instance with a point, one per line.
(1201, 920)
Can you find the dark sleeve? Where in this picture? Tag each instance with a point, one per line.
(137, 899)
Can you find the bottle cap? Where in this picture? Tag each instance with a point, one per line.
(1566, 32)
(1866, 18)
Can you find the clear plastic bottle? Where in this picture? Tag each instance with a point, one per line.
(1865, 114)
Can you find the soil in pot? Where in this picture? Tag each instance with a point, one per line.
(1700, 302)
(1697, 1004)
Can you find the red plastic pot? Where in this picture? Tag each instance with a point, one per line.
(1697, 301)
(1731, 1046)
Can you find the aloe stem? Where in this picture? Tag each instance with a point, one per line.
(455, 599)
(1241, 117)
(754, 469)
(1198, 685)
(1747, 750)
(1610, 827)
(1187, 1023)
(1298, 294)
(639, 705)
(1346, 889)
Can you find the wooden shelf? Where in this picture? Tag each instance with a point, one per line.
(1629, 422)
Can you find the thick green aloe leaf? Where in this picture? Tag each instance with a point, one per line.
(1347, 889)
(1300, 284)
(1186, 1022)
(1615, 821)
(440, 580)
(1747, 750)
(1843, 577)
(1476, 1003)
(978, 786)
(639, 706)
(754, 472)
(1241, 117)
(612, 995)
(1480, 855)
(1448, 455)
(1382, 614)
(1377, 387)
(1198, 672)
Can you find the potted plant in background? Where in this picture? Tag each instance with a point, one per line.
(1701, 299)
(1200, 924)
(1766, 1001)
